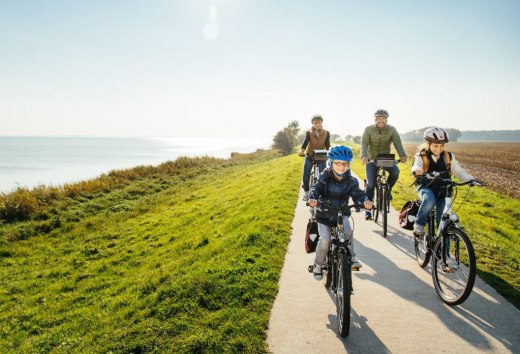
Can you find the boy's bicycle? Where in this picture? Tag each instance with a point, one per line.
(453, 263)
(382, 190)
(337, 270)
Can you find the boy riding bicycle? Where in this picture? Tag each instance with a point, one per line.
(335, 186)
(432, 158)
(316, 138)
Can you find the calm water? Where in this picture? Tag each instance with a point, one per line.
(52, 161)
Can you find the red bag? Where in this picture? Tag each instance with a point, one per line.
(408, 214)
(311, 236)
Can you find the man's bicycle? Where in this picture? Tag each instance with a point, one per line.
(337, 270)
(382, 190)
(453, 263)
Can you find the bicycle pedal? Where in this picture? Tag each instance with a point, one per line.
(356, 269)
(311, 268)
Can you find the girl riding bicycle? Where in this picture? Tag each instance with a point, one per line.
(437, 161)
(335, 186)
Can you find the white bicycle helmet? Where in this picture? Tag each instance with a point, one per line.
(436, 135)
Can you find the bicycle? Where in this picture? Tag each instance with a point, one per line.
(337, 270)
(382, 190)
(453, 263)
(317, 157)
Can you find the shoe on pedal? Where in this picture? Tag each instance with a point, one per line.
(368, 215)
(305, 196)
(418, 230)
(356, 265)
(318, 274)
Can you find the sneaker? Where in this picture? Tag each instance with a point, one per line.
(368, 215)
(418, 230)
(450, 266)
(305, 196)
(355, 264)
(318, 274)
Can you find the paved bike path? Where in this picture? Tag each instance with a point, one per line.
(395, 308)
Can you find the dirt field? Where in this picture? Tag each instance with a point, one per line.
(497, 164)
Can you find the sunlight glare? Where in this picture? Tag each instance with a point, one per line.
(211, 28)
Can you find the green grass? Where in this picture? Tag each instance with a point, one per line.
(490, 219)
(185, 263)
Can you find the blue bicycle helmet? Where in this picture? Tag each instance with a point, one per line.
(340, 152)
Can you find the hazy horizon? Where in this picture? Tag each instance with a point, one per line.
(236, 68)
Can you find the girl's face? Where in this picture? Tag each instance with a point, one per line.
(317, 124)
(340, 166)
(436, 149)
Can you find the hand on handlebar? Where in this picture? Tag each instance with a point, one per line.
(313, 203)
(364, 160)
(476, 182)
(368, 204)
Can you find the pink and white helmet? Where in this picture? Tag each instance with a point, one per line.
(436, 135)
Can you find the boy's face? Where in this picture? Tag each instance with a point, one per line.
(436, 149)
(340, 166)
(317, 123)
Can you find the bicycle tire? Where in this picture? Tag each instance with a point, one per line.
(378, 206)
(422, 252)
(454, 279)
(327, 276)
(343, 292)
(384, 211)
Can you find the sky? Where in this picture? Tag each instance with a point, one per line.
(246, 68)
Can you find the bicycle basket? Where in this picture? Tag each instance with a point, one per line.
(320, 155)
(385, 160)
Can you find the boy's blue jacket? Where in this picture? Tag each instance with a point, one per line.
(335, 193)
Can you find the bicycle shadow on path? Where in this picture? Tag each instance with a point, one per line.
(484, 316)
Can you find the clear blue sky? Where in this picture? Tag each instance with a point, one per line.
(246, 68)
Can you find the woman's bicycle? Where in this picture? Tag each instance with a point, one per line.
(382, 191)
(318, 157)
(337, 270)
(453, 263)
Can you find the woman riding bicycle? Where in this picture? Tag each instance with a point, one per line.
(434, 194)
(335, 186)
(377, 139)
(316, 138)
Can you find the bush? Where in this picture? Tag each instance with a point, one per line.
(286, 139)
(18, 205)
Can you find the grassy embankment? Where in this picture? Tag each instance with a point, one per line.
(180, 258)
(490, 219)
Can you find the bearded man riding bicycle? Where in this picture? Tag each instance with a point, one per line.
(377, 139)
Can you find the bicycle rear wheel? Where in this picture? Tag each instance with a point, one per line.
(343, 292)
(454, 267)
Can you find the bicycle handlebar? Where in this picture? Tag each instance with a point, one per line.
(322, 206)
(447, 181)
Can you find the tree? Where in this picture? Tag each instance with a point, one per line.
(357, 139)
(335, 137)
(349, 137)
(286, 139)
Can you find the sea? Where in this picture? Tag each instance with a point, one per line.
(52, 161)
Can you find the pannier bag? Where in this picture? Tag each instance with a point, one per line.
(408, 214)
(311, 236)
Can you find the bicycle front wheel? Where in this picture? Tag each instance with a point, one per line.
(327, 272)
(454, 267)
(343, 292)
(384, 210)
(378, 203)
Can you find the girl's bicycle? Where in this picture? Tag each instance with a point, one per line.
(318, 157)
(337, 270)
(453, 258)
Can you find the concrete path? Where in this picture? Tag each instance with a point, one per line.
(395, 308)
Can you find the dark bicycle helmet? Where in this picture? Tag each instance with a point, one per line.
(436, 135)
(316, 117)
(381, 113)
(340, 152)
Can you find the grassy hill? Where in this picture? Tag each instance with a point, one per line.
(166, 261)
